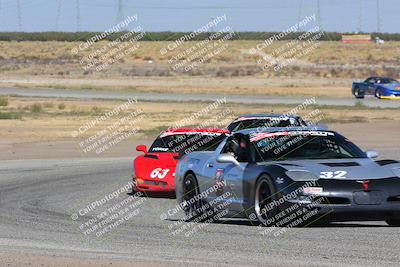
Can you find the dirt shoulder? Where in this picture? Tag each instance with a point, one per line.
(17, 260)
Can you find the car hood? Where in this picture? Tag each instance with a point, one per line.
(350, 169)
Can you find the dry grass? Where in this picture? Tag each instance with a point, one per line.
(326, 71)
(53, 123)
(328, 53)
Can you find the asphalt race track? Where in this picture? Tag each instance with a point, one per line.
(243, 99)
(39, 197)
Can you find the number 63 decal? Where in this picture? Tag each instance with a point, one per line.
(336, 174)
(159, 173)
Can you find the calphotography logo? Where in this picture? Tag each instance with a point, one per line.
(110, 128)
(103, 216)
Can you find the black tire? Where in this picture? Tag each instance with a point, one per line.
(193, 207)
(358, 93)
(264, 194)
(134, 189)
(393, 222)
(378, 93)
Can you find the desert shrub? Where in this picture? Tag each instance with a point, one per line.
(10, 115)
(36, 108)
(61, 106)
(3, 101)
(48, 105)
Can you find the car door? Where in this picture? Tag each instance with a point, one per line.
(371, 86)
(226, 179)
(207, 179)
(233, 177)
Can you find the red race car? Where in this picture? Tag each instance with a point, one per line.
(154, 172)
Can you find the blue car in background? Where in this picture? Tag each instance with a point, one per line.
(380, 87)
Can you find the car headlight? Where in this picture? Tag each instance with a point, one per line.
(396, 171)
(301, 175)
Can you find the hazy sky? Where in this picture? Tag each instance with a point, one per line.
(187, 15)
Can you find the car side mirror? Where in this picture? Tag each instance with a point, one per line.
(372, 154)
(141, 148)
(227, 158)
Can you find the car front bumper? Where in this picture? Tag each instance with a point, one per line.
(390, 97)
(369, 210)
(150, 185)
(348, 201)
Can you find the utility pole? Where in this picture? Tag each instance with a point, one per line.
(59, 7)
(360, 16)
(300, 14)
(378, 16)
(78, 16)
(120, 12)
(19, 15)
(319, 20)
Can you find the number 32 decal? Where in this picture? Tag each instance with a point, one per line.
(159, 173)
(336, 174)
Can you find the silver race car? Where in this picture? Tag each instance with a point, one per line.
(289, 176)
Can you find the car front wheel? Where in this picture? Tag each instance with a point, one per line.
(378, 94)
(265, 194)
(192, 203)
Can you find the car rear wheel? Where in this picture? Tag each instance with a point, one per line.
(358, 93)
(378, 93)
(191, 198)
(393, 222)
(265, 194)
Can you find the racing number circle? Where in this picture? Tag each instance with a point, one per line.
(159, 173)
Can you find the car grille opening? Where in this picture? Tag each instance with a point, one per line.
(341, 164)
(386, 162)
(155, 183)
(151, 156)
(143, 187)
(335, 201)
(394, 199)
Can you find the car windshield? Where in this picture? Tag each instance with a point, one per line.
(391, 81)
(386, 81)
(302, 145)
(187, 142)
(264, 123)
